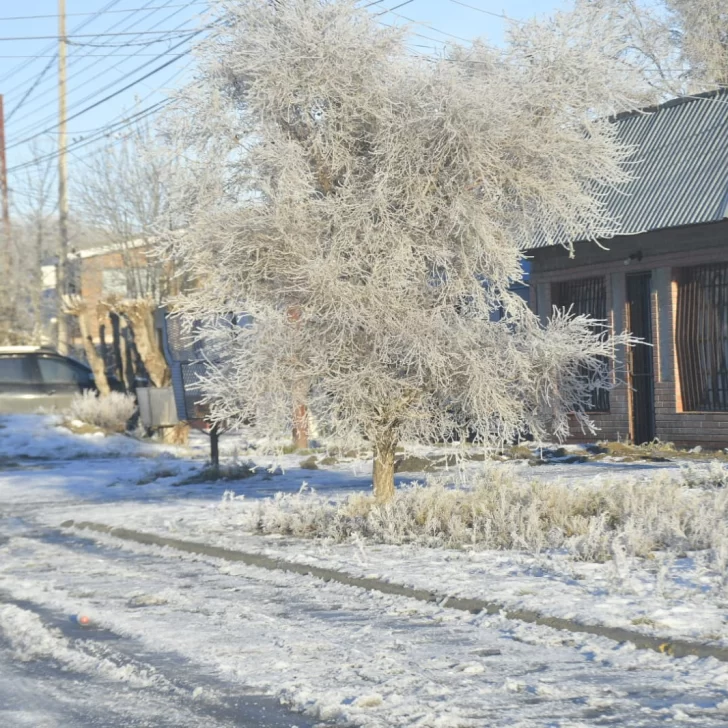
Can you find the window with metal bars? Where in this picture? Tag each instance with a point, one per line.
(585, 296)
(701, 337)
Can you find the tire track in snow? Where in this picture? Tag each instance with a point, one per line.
(379, 660)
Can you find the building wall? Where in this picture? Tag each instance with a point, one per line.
(90, 273)
(661, 253)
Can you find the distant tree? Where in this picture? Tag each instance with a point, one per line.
(681, 45)
(33, 238)
(123, 193)
(365, 210)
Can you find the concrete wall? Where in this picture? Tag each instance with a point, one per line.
(661, 253)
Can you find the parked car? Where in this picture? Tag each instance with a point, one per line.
(33, 377)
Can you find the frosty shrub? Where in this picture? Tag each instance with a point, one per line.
(500, 512)
(111, 412)
(715, 475)
(363, 212)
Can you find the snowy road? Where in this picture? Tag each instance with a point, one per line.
(189, 641)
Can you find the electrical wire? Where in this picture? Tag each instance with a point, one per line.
(91, 35)
(46, 119)
(48, 48)
(106, 88)
(74, 56)
(125, 10)
(119, 91)
(103, 100)
(103, 132)
(98, 55)
(32, 87)
(487, 12)
(147, 43)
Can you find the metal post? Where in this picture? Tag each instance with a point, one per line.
(62, 273)
(215, 448)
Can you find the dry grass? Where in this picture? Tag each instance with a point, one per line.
(590, 522)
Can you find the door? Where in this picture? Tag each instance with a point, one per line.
(641, 374)
(61, 379)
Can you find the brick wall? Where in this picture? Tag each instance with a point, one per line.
(91, 277)
(661, 253)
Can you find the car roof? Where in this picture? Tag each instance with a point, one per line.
(12, 350)
(27, 350)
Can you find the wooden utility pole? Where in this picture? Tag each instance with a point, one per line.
(62, 271)
(4, 177)
(6, 309)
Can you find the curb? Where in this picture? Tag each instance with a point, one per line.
(673, 648)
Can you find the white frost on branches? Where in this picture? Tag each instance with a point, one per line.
(366, 209)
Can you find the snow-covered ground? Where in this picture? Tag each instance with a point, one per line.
(336, 653)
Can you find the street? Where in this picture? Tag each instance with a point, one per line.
(179, 640)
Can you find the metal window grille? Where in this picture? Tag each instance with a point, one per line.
(701, 337)
(585, 296)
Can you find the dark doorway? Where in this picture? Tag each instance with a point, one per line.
(641, 372)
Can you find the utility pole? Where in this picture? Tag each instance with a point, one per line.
(4, 176)
(6, 309)
(62, 271)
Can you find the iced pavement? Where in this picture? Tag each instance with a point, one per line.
(54, 673)
(184, 639)
(333, 650)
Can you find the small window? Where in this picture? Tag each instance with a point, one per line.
(58, 371)
(14, 370)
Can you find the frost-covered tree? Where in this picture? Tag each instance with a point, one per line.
(680, 45)
(365, 209)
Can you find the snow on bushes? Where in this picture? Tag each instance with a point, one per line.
(714, 476)
(111, 412)
(591, 522)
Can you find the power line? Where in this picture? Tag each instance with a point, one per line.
(75, 56)
(97, 136)
(80, 56)
(101, 90)
(49, 65)
(100, 55)
(401, 5)
(487, 12)
(428, 25)
(119, 122)
(105, 99)
(48, 48)
(88, 35)
(107, 12)
(106, 70)
(125, 88)
(147, 43)
(33, 86)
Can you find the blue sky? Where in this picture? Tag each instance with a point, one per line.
(108, 63)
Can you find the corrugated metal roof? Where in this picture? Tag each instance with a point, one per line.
(680, 166)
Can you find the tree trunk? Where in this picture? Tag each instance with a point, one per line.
(383, 470)
(300, 395)
(96, 363)
(116, 345)
(140, 316)
(300, 426)
(128, 359)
